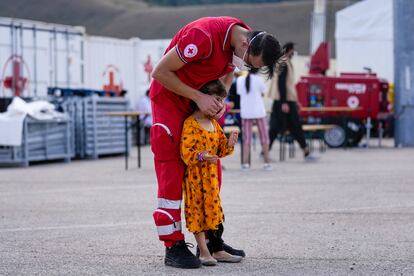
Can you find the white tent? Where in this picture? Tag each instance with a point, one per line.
(364, 38)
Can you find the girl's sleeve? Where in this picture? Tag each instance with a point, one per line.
(188, 145)
(224, 149)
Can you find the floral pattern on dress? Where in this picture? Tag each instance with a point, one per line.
(202, 205)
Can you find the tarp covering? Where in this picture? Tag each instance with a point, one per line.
(364, 38)
(11, 122)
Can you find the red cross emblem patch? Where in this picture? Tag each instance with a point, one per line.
(190, 51)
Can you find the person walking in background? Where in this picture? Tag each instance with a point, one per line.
(251, 89)
(285, 105)
(206, 49)
(234, 98)
(144, 105)
(202, 143)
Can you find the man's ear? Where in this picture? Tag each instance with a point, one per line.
(245, 44)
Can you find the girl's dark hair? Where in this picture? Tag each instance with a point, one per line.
(214, 87)
(268, 47)
(251, 71)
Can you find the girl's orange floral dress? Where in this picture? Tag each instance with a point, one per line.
(202, 204)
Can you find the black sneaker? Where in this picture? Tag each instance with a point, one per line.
(180, 256)
(232, 251)
(227, 248)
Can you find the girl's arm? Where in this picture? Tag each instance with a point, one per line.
(190, 151)
(226, 146)
(188, 148)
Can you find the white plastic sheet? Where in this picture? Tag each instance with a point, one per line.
(11, 122)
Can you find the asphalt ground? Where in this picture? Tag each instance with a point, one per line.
(350, 213)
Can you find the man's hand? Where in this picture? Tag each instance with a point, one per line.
(233, 138)
(220, 113)
(209, 105)
(285, 108)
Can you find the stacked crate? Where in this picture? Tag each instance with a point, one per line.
(42, 140)
(73, 106)
(104, 134)
(94, 133)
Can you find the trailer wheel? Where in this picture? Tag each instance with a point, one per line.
(335, 137)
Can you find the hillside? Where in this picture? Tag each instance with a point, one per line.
(134, 18)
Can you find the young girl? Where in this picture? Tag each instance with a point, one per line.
(202, 143)
(251, 89)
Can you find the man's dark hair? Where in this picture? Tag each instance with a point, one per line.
(268, 47)
(288, 46)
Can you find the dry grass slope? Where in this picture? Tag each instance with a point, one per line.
(134, 18)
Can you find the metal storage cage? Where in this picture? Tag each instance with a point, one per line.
(103, 134)
(42, 140)
(93, 132)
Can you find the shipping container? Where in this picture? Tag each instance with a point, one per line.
(122, 64)
(110, 64)
(36, 55)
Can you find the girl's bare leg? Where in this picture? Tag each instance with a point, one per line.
(246, 153)
(201, 242)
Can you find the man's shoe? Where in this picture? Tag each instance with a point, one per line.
(180, 256)
(232, 251)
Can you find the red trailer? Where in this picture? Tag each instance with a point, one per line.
(362, 99)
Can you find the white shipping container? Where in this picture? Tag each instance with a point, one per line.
(110, 64)
(49, 55)
(125, 63)
(54, 55)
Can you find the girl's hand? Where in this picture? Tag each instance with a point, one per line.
(233, 138)
(210, 158)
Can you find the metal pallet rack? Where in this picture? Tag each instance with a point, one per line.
(42, 140)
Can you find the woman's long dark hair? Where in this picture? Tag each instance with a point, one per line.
(251, 71)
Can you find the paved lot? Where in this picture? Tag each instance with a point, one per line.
(351, 213)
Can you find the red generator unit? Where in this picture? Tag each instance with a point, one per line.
(355, 102)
